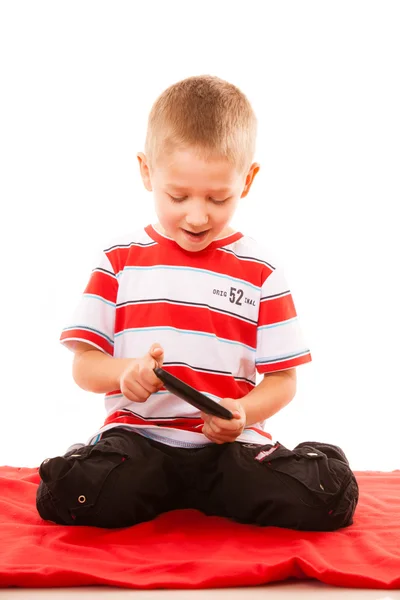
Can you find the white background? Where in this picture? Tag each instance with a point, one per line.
(78, 79)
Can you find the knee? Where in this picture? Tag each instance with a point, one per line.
(315, 489)
(102, 486)
(74, 488)
(330, 515)
(341, 513)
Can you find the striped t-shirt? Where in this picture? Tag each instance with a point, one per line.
(220, 314)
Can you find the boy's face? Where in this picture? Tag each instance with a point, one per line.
(195, 199)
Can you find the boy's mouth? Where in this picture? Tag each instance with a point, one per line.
(199, 236)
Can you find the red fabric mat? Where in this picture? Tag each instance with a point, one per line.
(185, 549)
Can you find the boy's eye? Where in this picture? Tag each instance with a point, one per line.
(219, 201)
(177, 199)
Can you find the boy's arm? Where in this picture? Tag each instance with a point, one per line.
(267, 398)
(274, 392)
(95, 371)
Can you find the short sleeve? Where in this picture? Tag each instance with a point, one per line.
(280, 341)
(94, 318)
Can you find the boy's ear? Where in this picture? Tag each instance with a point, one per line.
(144, 171)
(255, 167)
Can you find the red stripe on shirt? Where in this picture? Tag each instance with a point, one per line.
(118, 257)
(219, 261)
(208, 383)
(284, 364)
(130, 419)
(193, 425)
(102, 285)
(82, 335)
(261, 432)
(192, 318)
(211, 383)
(276, 310)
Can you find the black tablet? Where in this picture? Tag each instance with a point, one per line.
(189, 394)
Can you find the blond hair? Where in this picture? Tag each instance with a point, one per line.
(206, 114)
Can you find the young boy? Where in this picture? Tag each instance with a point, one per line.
(208, 304)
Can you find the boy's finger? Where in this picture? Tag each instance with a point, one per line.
(214, 427)
(227, 424)
(226, 433)
(157, 352)
(150, 381)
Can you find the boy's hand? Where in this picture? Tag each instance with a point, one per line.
(139, 381)
(221, 431)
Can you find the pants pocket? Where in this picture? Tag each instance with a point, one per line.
(75, 481)
(312, 478)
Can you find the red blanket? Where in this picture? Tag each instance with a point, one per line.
(185, 549)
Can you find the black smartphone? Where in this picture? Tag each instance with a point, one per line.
(189, 394)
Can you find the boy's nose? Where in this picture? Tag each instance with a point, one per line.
(197, 219)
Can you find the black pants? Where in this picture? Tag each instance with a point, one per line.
(126, 479)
